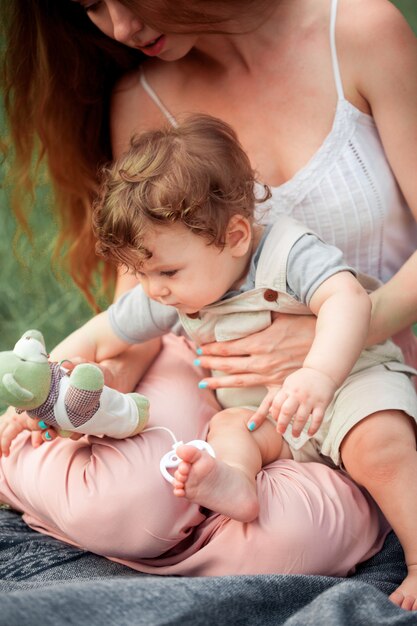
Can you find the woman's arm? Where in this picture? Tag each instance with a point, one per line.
(385, 57)
(394, 305)
(385, 50)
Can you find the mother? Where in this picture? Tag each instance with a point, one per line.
(321, 125)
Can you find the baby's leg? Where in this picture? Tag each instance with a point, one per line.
(380, 454)
(227, 484)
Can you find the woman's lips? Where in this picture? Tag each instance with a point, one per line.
(154, 48)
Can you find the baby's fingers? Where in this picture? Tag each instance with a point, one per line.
(316, 420)
(283, 410)
(262, 412)
(300, 419)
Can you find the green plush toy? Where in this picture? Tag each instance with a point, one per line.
(75, 402)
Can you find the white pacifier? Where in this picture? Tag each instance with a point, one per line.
(171, 460)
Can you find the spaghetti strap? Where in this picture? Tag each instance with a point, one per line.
(335, 62)
(151, 93)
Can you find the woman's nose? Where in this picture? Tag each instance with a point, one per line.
(125, 23)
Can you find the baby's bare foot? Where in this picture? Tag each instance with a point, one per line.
(406, 594)
(213, 484)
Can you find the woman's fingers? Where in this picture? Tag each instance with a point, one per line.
(244, 371)
(12, 423)
(226, 364)
(272, 354)
(47, 433)
(222, 349)
(237, 380)
(292, 335)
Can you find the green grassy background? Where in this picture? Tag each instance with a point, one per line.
(409, 8)
(31, 295)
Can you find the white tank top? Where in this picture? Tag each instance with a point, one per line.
(347, 192)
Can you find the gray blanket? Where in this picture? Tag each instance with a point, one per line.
(47, 583)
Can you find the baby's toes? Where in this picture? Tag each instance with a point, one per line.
(406, 602)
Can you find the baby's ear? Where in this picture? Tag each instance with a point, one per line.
(239, 235)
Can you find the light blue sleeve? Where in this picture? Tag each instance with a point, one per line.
(310, 263)
(135, 318)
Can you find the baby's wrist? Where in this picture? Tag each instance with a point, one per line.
(323, 374)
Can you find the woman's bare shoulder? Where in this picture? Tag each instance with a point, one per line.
(373, 39)
(132, 111)
(369, 23)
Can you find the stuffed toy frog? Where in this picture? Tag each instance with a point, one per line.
(75, 402)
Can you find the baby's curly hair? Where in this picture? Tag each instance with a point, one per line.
(196, 174)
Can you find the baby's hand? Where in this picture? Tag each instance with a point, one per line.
(305, 393)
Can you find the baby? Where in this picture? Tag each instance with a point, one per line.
(178, 210)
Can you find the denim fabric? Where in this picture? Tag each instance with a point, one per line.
(47, 583)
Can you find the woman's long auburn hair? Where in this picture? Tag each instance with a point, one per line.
(57, 78)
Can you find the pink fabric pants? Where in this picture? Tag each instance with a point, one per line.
(108, 496)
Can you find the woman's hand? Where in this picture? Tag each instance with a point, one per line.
(264, 358)
(12, 424)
